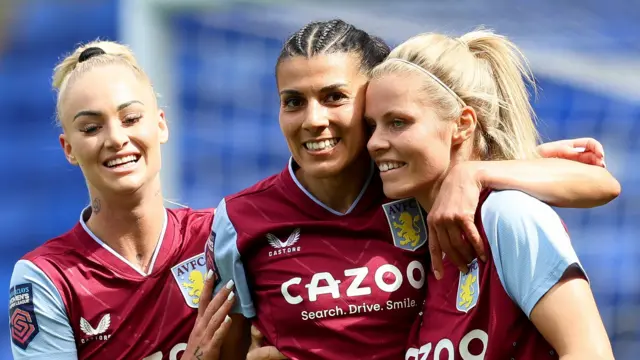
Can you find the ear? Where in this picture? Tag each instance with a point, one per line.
(162, 126)
(465, 126)
(66, 147)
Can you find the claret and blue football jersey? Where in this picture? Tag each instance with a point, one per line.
(321, 284)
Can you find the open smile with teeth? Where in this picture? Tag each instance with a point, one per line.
(122, 162)
(320, 145)
(390, 165)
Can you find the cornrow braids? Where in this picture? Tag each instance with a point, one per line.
(335, 36)
(320, 42)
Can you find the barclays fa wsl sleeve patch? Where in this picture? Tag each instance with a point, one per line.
(22, 316)
(211, 260)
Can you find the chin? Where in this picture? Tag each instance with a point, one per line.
(125, 186)
(397, 190)
(324, 169)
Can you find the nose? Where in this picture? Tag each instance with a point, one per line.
(116, 136)
(316, 117)
(377, 143)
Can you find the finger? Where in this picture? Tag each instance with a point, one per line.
(436, 253)
(595, 147)
(461, 245)
(555, 149)
(256, 338)
(219, 334)
(590, 145)
(473, 236)
(221, 315)
(265, 353)
(590, 158)
(207, 293)
(447, 248)
(569, 154)
(215, 304)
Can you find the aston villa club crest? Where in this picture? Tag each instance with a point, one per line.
(189, 275)
(468, 288)
(406, 223)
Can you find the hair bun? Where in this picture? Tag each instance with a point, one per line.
(88, 53)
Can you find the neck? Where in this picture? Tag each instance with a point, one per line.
(341, 191)
(427, 194)
(129, 224)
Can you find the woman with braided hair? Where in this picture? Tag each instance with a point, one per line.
(327, 267)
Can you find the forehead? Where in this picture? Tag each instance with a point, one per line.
(301, 73)
(104, 88)
(393, 93)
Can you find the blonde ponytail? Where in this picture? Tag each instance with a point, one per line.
(514, 134)
(70, 67)
(482, 70)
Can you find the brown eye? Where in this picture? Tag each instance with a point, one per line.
(132, 119)
(335, 96)
(292, 102)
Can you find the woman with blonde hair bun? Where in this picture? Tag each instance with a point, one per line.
(438, 102)
(127, 281)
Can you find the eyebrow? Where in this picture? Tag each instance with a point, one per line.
(98, 113)
(328, 88)
(394, 113)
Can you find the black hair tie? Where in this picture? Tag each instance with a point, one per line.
(88, 53)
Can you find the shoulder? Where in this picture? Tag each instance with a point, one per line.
(188, 217)
(514, 220)
(55, 249)
(263, 188)
(194, 226)
(26, 274)
(529, 244)
(514, 212)
(190, 214)
(513, 205)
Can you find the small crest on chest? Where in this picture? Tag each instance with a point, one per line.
(189, 275)
(406, 223)
(468, 288)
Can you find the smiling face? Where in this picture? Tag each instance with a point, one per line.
(112, 129)
(322, 104)
(411, 144)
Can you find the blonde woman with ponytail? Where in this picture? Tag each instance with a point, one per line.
(439, 103)
(126, 281)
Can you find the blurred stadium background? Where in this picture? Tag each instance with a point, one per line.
(213, 61)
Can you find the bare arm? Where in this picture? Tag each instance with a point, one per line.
(557, 182)
(568, 318)
(571, 174)
(236, 343)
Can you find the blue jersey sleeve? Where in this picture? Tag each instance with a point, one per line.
(38, 321)
(227, 261)
(529, 243)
